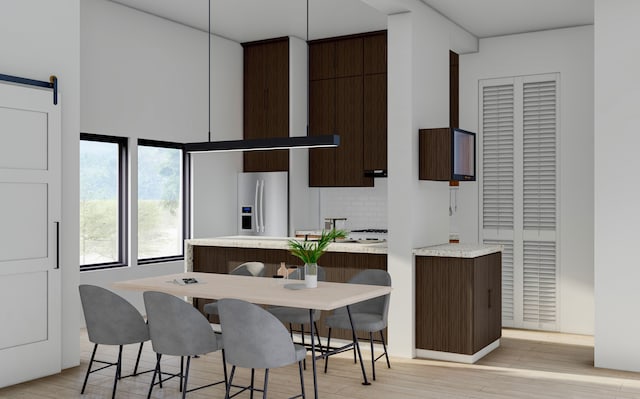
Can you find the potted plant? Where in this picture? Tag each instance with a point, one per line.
(310, 251)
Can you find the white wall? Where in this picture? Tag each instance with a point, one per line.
(418, 97)
(40, 38)
(146, 77)
(569, 52)
(617, 215)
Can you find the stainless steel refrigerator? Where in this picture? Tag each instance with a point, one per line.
(263, 204)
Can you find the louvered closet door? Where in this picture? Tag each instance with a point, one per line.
(518, 131)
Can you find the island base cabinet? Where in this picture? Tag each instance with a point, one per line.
(458, 303)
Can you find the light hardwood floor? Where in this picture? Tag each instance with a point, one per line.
(528, 364)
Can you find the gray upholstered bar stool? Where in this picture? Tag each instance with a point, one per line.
(255, 269)
(295, 316)
(255, 339)
(179, 329)
(111, 320)
(368, 316)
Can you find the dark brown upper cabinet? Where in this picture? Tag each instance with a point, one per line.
(435, 154)
(348, 97)
(266, 101)
(454, 89)
(435, 144)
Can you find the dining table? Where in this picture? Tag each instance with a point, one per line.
(326, 296)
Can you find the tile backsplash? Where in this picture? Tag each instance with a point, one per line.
(364, 207)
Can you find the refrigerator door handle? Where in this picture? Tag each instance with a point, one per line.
(255, 206)
(262, 206)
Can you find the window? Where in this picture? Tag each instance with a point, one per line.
(161, 201)
(103, 211)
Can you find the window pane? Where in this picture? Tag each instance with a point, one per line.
(159, 202)
(98, 202)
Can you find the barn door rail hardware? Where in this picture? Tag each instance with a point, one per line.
(51, 84)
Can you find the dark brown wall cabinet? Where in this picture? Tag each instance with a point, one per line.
(454, 89)
(266, 101)
(458, 303)
(339, 267)
(435, 154)
(348, 97)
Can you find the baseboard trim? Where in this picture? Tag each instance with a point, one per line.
(457, 357)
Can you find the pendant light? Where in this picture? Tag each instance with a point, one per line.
(275, 143)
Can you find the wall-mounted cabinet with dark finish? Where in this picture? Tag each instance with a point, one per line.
(454, 89)
(266, 101)
(435, 154)
(348, 97)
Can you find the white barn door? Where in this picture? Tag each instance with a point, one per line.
(30, 196)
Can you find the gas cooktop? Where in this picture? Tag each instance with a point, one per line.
(379, 231)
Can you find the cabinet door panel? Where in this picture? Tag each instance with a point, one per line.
(254, 114)
(322, 58)
(444, 304)
(349, 125)
(266, 102)
(375, 121)
(375, 54)
(349, 57)
(480, 303)
(277, 102)
(495, 285)
(322, 108)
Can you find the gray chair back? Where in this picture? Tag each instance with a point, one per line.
(111, 319)
(379, 305)
(255, 269)
(176, 327)
(298, 274)
(253, 337)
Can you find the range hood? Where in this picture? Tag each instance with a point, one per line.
(375, 173)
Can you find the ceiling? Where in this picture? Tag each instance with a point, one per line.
(248, 20)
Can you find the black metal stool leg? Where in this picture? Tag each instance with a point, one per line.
(326, 359)
(86, 377)
(315, 326)
(224, 369)
(266, 380)
(253, 373)
(301, 379)
(186, 378)
(373, 358)
(155, 372)
(181, 372)
(135, 368)
(233, 371)
(384, 346)
(160, 371)
(117, 377)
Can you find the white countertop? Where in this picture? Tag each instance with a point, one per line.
(281, 243)
(458, 250)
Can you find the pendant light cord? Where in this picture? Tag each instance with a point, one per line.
(210, 70)
(308, 69)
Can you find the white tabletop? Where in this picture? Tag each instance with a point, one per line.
(260, 290)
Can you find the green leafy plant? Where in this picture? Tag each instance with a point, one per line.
(310, 251)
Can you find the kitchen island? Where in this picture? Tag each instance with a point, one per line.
(341, 261)
(457, 286)
(458, 301)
